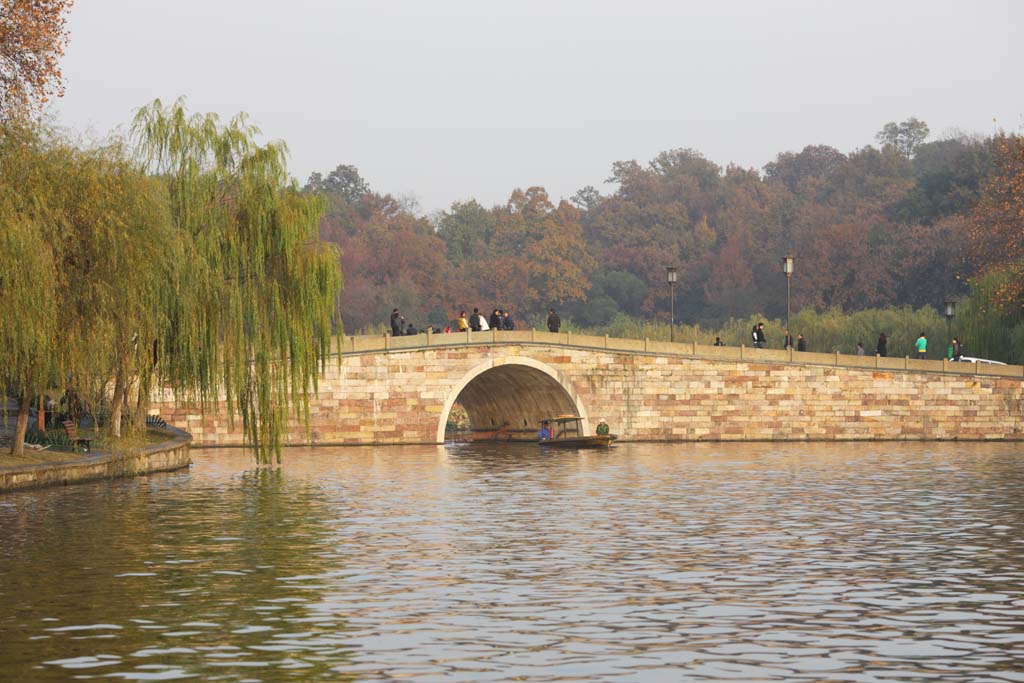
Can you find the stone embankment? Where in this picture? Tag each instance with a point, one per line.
(168, 455)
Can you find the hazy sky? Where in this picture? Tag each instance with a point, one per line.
(447, 100)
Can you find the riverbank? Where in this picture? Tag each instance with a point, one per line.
(55, 468)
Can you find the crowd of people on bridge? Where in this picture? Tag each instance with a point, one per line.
(499, 319)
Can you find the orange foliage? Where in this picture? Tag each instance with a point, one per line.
(997, 230)
(33, 34)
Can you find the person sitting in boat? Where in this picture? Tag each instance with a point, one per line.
(545, 431)
(602, 427)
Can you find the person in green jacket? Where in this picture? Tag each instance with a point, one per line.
(922, 346)
(602, 427)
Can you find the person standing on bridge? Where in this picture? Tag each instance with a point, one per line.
(396, 323)
(757, 334)
(474, 320)
(506, 321)
(495, 321)
(462, 323)
(883, 343)
(801, 343)
(554, 322)
(922, 347)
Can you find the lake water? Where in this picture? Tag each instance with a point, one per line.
(651, 562)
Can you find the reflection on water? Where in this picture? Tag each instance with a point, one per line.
(838, 562)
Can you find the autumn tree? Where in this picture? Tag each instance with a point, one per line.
(33, 34)
(390, 256)
(467, 229)
(996, 236)
(586, 198)
(804, 172)
(539, 250)
(949, 176)
(868, 183)
(729, 285)
(253, 317)
(661, 214)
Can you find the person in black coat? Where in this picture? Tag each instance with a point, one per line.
(396, 323)
(495, 320)
(760, 341)
(474, 320)
(882, 343)
(554, 322)
(801, 343)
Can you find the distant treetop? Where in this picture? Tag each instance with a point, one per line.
(906, 137)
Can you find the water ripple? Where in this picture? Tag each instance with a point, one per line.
(708, 562)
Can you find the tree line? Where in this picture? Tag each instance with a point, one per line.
(909, 222)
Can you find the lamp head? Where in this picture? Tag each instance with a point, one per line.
(787, 265)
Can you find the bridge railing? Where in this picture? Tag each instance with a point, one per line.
(361, 344)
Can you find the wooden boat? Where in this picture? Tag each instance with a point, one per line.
(567, 432)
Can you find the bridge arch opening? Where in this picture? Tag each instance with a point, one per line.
(519, 392)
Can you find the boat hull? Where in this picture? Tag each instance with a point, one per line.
(603, 441)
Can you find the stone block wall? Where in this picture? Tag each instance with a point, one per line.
(401, 396)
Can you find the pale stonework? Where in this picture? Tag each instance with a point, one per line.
(403, 396)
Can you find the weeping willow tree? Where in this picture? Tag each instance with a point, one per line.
(122, 255)
(29, 274)
(252, 315)
(87, 256)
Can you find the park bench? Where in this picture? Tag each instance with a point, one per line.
(71, 429)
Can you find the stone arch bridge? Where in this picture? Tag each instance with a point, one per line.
(384, 390)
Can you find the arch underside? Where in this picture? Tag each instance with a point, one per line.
(517, 395)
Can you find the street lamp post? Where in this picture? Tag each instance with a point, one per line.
(950, 312)
(671, 274)
(787, 268)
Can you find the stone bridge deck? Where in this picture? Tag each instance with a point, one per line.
(400, 390)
